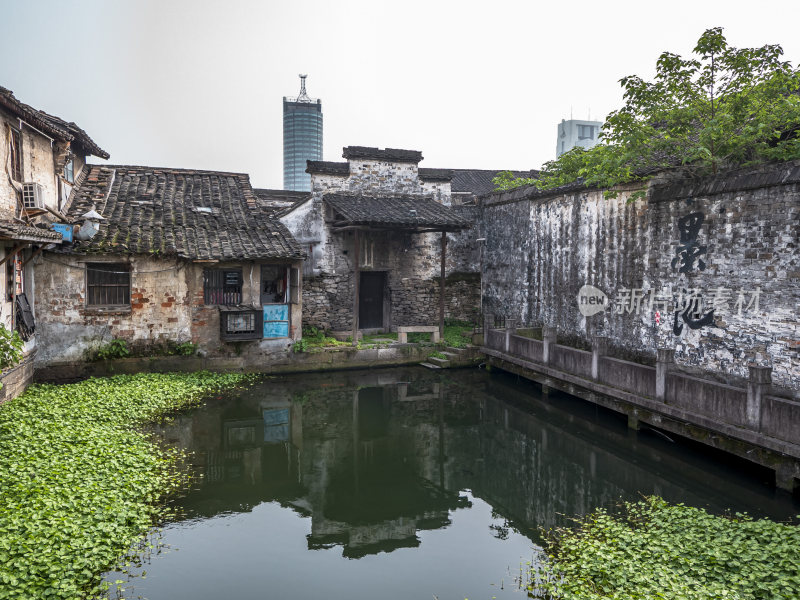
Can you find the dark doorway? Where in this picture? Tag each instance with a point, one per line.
(370, 300)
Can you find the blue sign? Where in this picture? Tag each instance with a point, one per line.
(64, 229)
(276, 321)
(276, 312)
(276, 329)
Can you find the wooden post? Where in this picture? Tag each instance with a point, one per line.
(441, 287)
(356, 286)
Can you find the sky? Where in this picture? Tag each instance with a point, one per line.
(472, 84)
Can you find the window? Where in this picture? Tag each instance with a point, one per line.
(69, 170)
(15, 151)
(585, 132)
(108, 284)
(273, 284)
(240, 323)
(222, 286)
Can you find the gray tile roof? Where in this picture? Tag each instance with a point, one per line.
(387, 154)
(197, 215)
(27, 233)
(279, 202)
(49, 124)
(479, 181)
(327, 167)
(395, 212)
(435, 174)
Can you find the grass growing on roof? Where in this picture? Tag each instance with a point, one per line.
(80, 483)
(654, 549)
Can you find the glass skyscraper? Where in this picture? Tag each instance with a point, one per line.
(302, 138)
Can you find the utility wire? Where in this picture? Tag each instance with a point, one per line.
(88, 268)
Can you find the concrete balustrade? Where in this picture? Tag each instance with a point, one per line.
(735, 419)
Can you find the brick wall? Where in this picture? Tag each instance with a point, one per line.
(695, 245)
(167, 304)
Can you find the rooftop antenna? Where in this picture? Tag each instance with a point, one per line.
(303, 97)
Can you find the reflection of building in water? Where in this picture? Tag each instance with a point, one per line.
(375, 458)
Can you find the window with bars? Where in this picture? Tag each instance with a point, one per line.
(240, 324)
(15, 151)
(222, 286)
(108, 284)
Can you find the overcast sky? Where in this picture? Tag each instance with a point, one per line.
(472, 84)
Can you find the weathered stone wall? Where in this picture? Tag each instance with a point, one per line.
(663, 263)
(411, 262)
(412, 286)
(37, 165)
(166, 306)
(67, 329)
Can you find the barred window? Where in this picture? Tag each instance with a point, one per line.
(222, 286)
(240, 323)
(108, 284)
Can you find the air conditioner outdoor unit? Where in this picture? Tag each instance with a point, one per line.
(32, 196)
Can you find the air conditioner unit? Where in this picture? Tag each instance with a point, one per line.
(32, 196)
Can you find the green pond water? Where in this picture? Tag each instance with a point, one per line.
(408, 483)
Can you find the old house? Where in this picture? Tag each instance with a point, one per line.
(172, 256)
(42, 156)
(375, 228)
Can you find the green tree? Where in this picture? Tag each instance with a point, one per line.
(721, 108)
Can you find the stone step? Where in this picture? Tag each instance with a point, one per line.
(451, 355)
(440, 362)
(429, 366)
(468, 352)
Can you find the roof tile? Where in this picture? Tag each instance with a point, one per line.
(198, 215)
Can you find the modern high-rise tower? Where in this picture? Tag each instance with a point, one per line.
(577, 133)
(302, 138)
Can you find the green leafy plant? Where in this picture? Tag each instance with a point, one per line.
(437, 355)
(81, 482)
(116, 348)
(183, 348)
(300, 346)
(10, 348)
(721, 108)
(653, 549)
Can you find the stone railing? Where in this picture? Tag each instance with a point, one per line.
(754, 409)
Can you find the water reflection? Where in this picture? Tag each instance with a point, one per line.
(437, 483)
(373, 458)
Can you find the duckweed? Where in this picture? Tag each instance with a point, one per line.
(80, 482)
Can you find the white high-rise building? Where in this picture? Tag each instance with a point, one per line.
(577, 133)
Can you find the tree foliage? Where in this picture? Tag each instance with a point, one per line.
(723, 107)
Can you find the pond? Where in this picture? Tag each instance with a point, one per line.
(408, 483)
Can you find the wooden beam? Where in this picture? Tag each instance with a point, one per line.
(441, 287)
(356, 286)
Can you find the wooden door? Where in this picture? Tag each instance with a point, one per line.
(370, 300)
